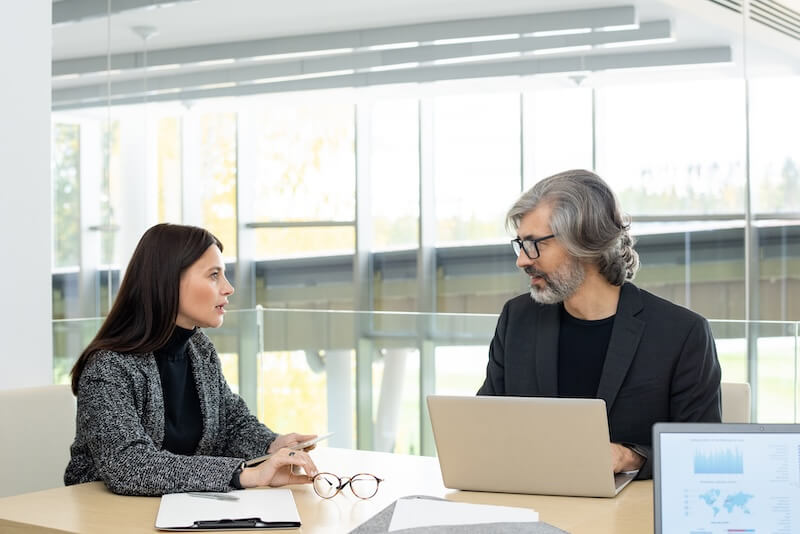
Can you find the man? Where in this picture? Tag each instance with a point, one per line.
(586, 331)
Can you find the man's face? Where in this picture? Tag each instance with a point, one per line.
(555, 275)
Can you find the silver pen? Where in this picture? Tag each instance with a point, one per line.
(216, 496)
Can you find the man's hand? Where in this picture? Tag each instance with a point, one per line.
(624, 459)
(290, 441)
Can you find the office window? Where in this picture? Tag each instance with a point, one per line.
(476, 164)
(169, 169)
(305, 172)
(673, 148)
(109, 195)
(217, 179)
(557, 132)
(394, 173)
(66, 195)
(775, 144)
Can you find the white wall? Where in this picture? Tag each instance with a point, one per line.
(26, 346)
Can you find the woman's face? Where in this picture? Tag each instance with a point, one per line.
(204, 292)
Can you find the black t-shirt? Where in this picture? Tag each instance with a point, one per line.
(582, 347)
(183, 422)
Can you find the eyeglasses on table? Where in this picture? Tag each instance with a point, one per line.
(363, 485)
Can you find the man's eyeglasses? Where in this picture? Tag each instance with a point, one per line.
(363, 485)
(530, 246)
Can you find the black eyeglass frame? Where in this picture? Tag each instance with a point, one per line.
(520, 245)
(345, 482)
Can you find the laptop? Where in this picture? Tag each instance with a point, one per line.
(715, 478)
(535, 445)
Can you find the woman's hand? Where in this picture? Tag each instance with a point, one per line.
(278, 470)
(290, 441)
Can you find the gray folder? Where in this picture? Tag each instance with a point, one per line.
(380, 523)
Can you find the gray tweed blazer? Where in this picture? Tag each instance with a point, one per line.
(120, 427)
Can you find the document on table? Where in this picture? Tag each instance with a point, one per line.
(242, 509)
(414, 513)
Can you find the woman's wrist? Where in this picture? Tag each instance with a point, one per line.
(248, 478)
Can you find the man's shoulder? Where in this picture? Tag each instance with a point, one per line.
(659, 307)
(521, 302)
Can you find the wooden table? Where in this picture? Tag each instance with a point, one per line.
(91, 508)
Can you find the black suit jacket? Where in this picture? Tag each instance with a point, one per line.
(661, 364)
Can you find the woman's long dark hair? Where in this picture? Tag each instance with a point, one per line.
(143, 316)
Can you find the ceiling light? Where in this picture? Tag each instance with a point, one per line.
(561, 50)
(622, 44)
(551, 33)
(392, 46)
(480, 39)
(469, 59)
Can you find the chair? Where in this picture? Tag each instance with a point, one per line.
(37, 427)
(735, 402)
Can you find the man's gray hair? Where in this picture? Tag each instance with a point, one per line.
(586, 219)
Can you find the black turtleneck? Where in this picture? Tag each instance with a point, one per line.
(183, 422)
(582, 347)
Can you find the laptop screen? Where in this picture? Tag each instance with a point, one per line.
(729, 482)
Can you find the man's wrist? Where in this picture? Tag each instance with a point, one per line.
(637, 455)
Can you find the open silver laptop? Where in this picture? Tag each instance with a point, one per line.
(719, 478)
(548, 446)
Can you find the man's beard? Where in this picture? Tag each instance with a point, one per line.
(559, 285)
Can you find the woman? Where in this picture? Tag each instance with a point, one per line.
(155, 414)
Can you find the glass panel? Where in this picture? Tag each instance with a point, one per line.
(169, 170)
(658, 165)
(110, 194)
(557, 131)
(394, 174)
(217, 178)
(272, 243)
(476, 165)
(305, 366)
(66, 195)
(395, 394)
(460, 370)
(305, 163)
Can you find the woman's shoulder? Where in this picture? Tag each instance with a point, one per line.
(106, 362)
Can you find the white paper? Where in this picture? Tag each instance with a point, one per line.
(181, 510)
(413, 513)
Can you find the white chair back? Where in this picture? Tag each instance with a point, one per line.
(37, 426)
(735, 402)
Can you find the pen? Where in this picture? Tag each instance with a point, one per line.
(217, 496)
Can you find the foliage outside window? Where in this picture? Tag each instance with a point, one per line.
(65, 170)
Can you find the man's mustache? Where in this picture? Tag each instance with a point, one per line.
(531, 271)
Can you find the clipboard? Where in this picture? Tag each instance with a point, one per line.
(253, 509)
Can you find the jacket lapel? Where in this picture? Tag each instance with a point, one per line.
(201, 385)
(546, 354)
(625, 336)
(154, 416)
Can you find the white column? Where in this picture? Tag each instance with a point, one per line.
(339, 376)
(391, 399)
(25, 205)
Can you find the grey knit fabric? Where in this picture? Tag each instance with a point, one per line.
(120, 427)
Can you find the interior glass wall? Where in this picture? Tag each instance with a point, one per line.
(352, 169)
